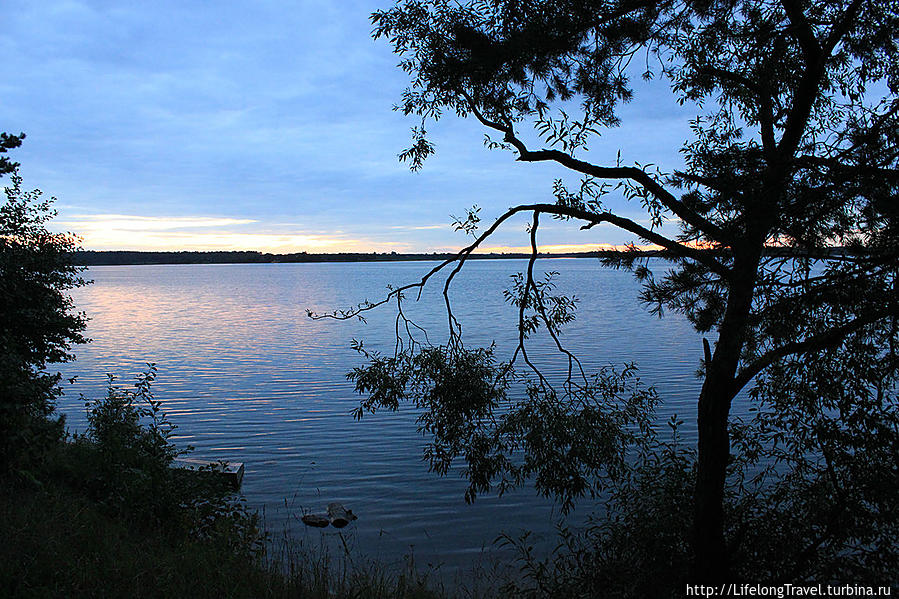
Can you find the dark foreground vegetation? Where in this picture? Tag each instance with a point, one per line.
(104, 515)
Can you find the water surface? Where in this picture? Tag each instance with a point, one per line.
(246, 376)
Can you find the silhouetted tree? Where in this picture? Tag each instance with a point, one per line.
(786, 257)
(38, 324)
(9, 142)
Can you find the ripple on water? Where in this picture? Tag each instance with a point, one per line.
(247, 377)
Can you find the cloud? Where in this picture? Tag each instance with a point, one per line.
(119, 222)
(210, 233)
(255, 110)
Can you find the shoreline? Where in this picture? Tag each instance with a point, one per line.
(127, 258)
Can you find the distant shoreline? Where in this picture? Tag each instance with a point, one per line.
(126, 258)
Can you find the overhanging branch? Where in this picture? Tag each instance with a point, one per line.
(704, 257)
(591, 218)
(640, 176)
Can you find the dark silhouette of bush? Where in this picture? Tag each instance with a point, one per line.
(38, 324)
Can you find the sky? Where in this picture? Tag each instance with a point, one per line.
(267, 125)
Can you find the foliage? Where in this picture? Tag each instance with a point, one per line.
(38, 324)
(105, 515)
(824, 455)
(58, 543)
(637, 546)
(9, 142)
(785, 257)
(572, 446)
(117, 427)
(124, 463)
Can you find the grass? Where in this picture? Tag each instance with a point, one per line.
(103, 515)
(60, 541)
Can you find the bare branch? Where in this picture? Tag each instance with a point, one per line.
(592, 218)
(459, 258)
(523, 302)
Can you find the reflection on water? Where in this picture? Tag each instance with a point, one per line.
(248, 377)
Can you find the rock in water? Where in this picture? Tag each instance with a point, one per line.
(316, 520)
(339, 515)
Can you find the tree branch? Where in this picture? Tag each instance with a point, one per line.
(704, 257)
(766, 125)
(841, 28)
(825, 340)
(528, 285)
(807, 90)
(541, 309)
(802, 31)
(667, 199)
(592, 219)
(850, 171)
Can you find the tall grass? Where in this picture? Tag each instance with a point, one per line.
(103, 515)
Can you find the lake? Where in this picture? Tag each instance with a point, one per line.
(247, 377)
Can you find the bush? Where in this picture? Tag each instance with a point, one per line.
(637, 547)
(109, 516)
(124, 462)
(38, 326)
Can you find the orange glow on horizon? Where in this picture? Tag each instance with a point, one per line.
(550, 248)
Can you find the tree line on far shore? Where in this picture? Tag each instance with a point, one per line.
(109, 258)
(123, 257)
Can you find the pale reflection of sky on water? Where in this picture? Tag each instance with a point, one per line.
(248, 377)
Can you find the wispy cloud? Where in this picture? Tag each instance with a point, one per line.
(204, 233)
(101, 222)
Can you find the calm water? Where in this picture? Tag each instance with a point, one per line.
(248, 377)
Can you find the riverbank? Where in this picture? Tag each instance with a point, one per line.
(105, 514)
(67, 534)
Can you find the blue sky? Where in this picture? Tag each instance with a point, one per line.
(263, 125)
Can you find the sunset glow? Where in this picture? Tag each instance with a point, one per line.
(186, 132)
(563, 248)
(121, 232)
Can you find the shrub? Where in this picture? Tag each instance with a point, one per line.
(124, 461)
(38, 325)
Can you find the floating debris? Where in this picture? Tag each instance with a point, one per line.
(339, 515)
(316, 520)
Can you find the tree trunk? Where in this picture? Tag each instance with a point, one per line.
(711, 563)
(711, 559)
